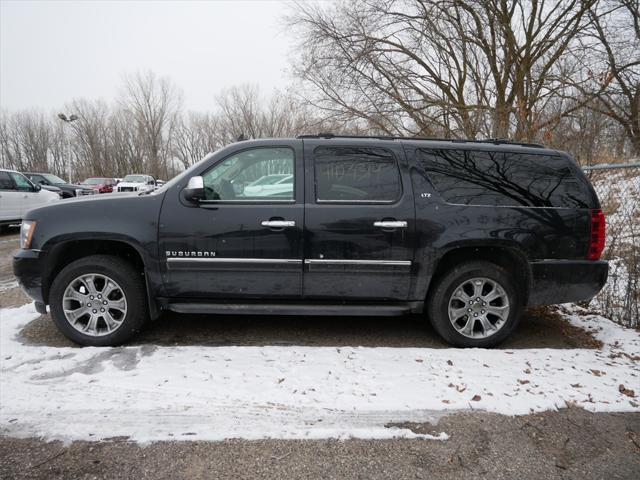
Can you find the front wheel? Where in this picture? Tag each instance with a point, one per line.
(98, 300)
(475, 304)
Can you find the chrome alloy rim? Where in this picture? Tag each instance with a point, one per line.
(478, 307)
(94, 304)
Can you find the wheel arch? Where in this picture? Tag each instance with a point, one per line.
(509, 257)
(62, 251)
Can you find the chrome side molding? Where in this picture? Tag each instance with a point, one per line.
(235, 260)
(396, 263)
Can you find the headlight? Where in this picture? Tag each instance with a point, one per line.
(26, 233)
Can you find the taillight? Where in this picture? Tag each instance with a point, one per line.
(598, 229)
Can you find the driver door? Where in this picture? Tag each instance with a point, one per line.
(27, 191)
(237, 244)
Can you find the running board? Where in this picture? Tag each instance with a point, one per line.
(378, 310)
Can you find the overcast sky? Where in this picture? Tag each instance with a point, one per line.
(53, 51)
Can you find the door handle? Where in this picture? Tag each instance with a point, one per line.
(278, 223)
(390, 224)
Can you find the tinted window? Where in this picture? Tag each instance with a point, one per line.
(37, 179)
(240, 176)
(356, 174)
(502, 179)
(5, 182)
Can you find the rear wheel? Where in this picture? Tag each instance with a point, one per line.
(476, 304)
(98, 300)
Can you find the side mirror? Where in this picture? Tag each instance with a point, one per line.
(37, 187)
(194, 191)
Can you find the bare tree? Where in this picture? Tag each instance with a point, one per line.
(441, 67)
(616, 29)
(244, 111)
(196, 135)
(126, 150)
(25, 140)
(10, 153)
(153, 104)
(91, 137)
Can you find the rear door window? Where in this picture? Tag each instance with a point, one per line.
(503, 179)
(5, 182)
(356, 174)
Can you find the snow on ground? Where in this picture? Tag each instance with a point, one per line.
(151, 393)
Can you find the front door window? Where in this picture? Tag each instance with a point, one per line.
(22, 183)
(256, 175)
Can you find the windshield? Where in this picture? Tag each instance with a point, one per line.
(95, 181)
(53, 179)
(134, 178)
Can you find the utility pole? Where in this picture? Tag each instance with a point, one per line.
(68, 120)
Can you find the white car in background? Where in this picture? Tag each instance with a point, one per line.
(18, 195)
(136, 183)
(268, 185)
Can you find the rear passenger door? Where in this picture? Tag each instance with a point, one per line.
(359, 221)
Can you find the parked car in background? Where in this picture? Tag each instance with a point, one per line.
(68, 189)
(101, 184)
(18, 195)
(137, 183)
(54, 189)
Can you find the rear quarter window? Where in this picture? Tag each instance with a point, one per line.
(503, 179)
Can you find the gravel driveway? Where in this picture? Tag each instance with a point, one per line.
(566, 444)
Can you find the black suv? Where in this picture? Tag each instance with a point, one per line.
(465, 232)
(68, 190)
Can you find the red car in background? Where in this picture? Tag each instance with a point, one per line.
(101, 184)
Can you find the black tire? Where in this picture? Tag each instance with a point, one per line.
(125, 275)
(443, 289)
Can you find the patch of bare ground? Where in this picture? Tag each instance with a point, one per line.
(13, 297)
(575, 336)
(540, 328)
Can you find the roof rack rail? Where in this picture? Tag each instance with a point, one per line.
(495, 141)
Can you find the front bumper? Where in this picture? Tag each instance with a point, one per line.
(566, 281)
(28, 266)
